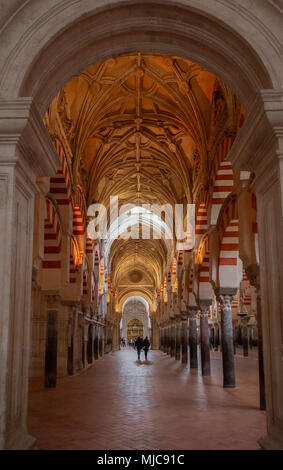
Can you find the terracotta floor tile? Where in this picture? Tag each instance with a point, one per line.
(119, 404)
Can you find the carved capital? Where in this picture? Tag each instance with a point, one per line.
(184, 315)
(225, 296)
(193, 312)
(252, 272)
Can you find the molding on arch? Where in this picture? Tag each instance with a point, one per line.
(45, 44)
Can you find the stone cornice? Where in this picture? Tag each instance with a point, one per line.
(264, 124)
(21, 126)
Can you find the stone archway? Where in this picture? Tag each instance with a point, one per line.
(228, 40)
(136, 309)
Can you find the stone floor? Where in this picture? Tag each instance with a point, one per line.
(120, 404)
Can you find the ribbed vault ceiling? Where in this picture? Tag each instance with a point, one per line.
(142, 127)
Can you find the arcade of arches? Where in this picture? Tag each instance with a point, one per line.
(162, 124)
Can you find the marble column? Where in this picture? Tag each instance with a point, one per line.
(100, 340)
(96, 343)
(245, 336)
(193, 340)
(173, 340)
(252, 272)
(85, 337)
(217, 338)
(225, 297)
(168, 340)
(184, 337)
(178, 340)
(162, 342)
(204, 340)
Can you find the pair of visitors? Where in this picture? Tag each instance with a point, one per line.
(142, 344)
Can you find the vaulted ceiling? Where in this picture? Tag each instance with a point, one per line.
(144, 127)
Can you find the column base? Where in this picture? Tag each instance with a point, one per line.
(229, 386)
(20, 440)
(272, 442)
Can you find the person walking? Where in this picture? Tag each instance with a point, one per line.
(146, 345)
(139, 346)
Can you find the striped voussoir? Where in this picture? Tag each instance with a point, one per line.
(230, 244)
(222, 179)
(201, 221)
(204, 269)
(52, 238)
(60, 186)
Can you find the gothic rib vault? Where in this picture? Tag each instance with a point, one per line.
(148, 128)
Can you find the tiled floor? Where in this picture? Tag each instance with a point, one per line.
(120, 404)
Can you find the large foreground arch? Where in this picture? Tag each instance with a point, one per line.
(42, 45)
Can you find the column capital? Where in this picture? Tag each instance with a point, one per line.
(264, 123)
(184, 315)
(24, 139)
(193, 310)
(204, 305)
(222, 293)
(252, 272)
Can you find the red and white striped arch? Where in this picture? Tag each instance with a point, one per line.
(75, 259)
(205, 287)
(78, 229)
(52, 238)
(60, 184)
(230, 265)
(201, 224)
(222, 178)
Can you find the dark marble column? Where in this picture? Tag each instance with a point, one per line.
(95, 344)
(173, 340)
(217, 339)
(225, 297)
(193, 341)
(204, 341)
(178, 340)
(168, 340)
(161, 338)
(251, 338)
(252, 272)
(184, 338)
(235, 339)
(245, 336)
(100, 340)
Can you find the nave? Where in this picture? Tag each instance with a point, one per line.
(119, 404)
(177, 105)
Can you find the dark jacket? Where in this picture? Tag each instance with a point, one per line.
(139, 343)
(146, 344)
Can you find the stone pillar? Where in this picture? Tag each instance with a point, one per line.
(162, 339)
(168, 340)
(26, 152)
(217, 338)
(204, 340)
(260, 149)
(225, 297)
(193, 341)
(178, 341)
(100, 341)
(252, 272)
(245, 336)
(85, 337)
(96, 344)
(173, 340)
(184, 337)
(154, 334)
